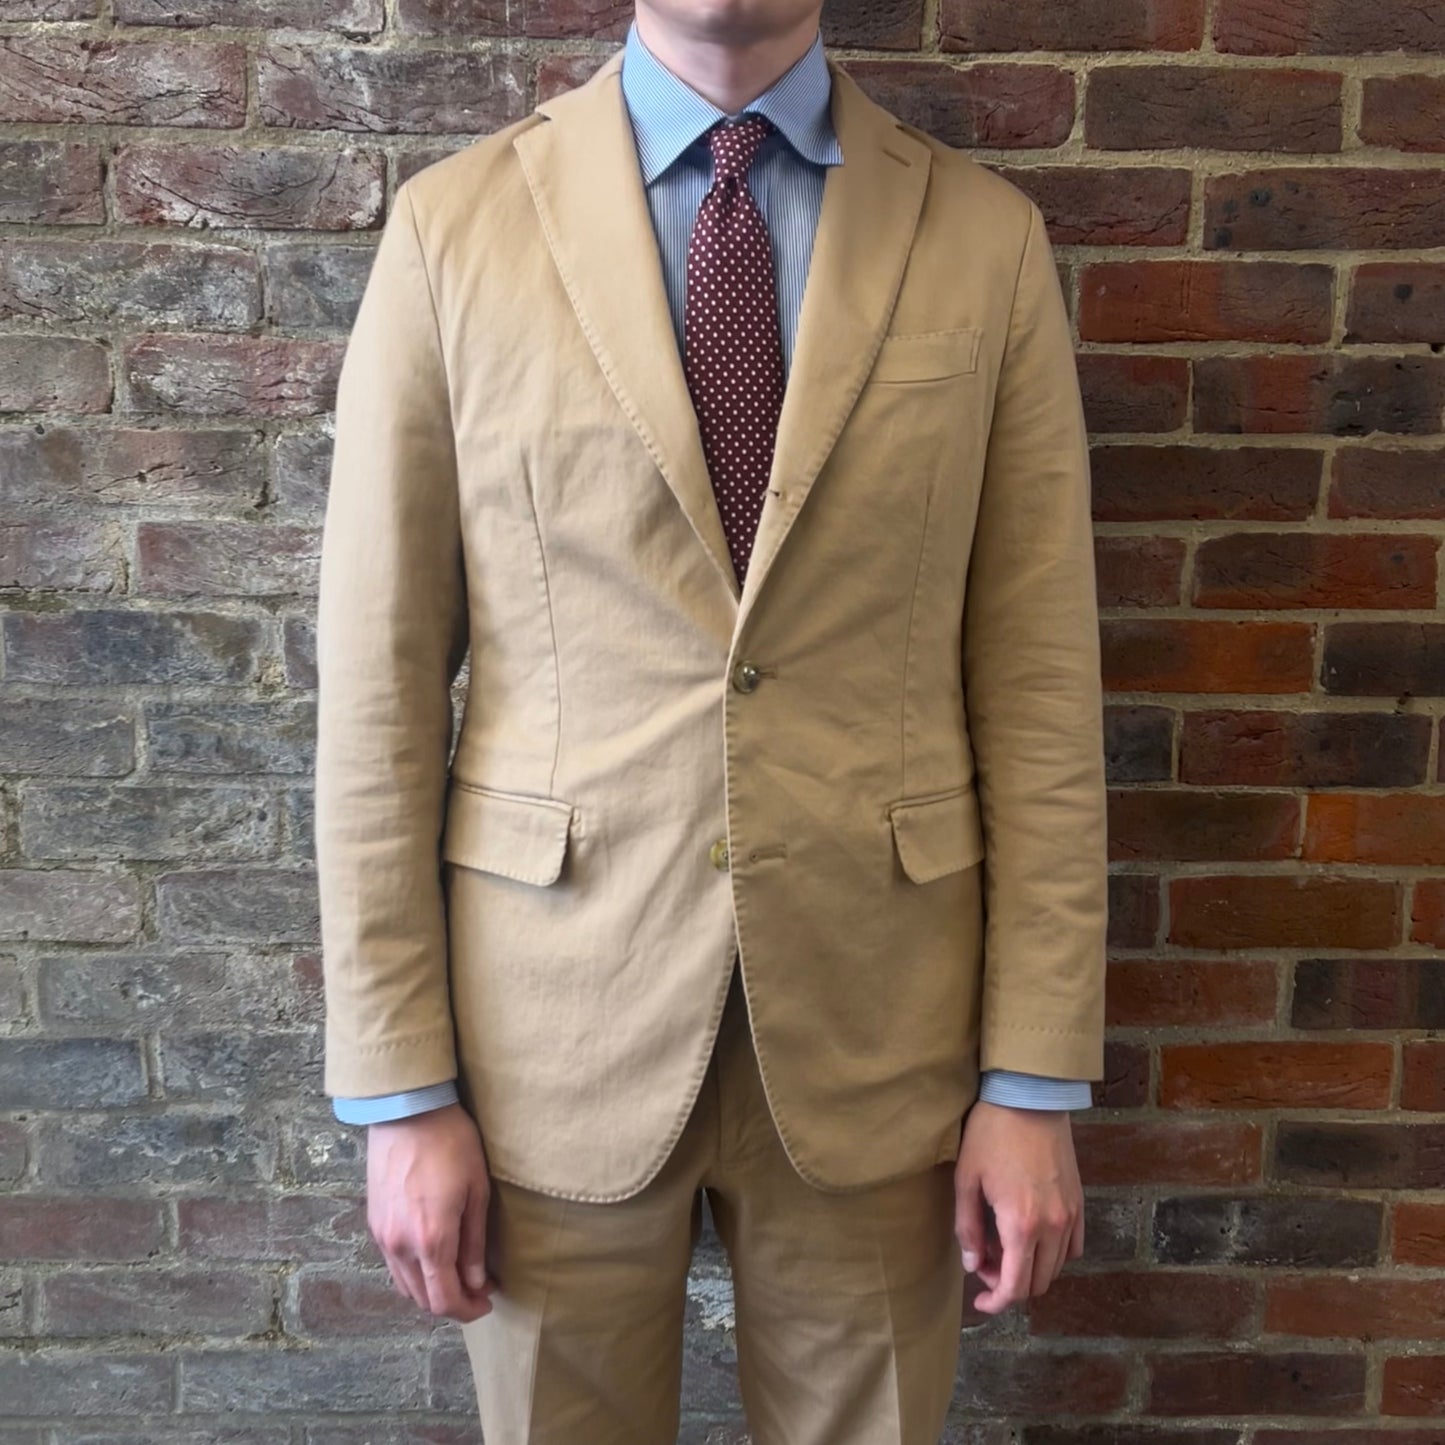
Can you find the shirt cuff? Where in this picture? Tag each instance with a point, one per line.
(1033, 1091)
(383, 1108)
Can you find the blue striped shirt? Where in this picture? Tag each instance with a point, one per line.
(669, 121)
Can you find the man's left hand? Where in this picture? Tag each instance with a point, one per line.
(1019, 1163)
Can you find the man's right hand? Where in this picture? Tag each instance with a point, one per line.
(427, 1191)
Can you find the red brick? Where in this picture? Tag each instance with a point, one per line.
(1182, 655)
(1275, 1075)
(1152, 824)
(1133, 910)
(1219, 911)
(1081, 25)
(1403, 111)
(1418, 1227)
(1139, 571)
(543, 19)
(1171, 1151)
(1368, 993)
(1315, 569)
(1204, 483)
(1413, 1385)
(1388, 482)
(1256, 1383)
(984, 105)
(1142, 1304)
(563, 71)
(1124, 393)
(1332, 207)
(1111, 206)
(220, 559)
(53, 373)
(70, 555)
(1384, 659)
(264, 186)
(1144, 107)
(1397, 301)
(231, 375)
(1260, 748)
(1326, 27)
(1357, 1309)
(1190, 993)
(1422, 1083)
(1386, 828)
(1427, 912)
(55, 1227)
(56, 80)
(353, 17)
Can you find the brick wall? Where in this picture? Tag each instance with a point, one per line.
(1248, 197)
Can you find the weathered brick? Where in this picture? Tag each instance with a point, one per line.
(557, 73)
(54, 79)
(1362, 1155)
(222, 905)
(1184, 655)
(86, 648)
(1204, 483)
(1333, 207)
(156, 1303)
(1146, 301)
(390, 91)
(1295, 1232)
(274, 187)
(1262, 1382)
(1179, 1152)
(134, 467)
(73, 1383)
(1384, 828)
(1007, 1382)
(298, 647)
(55, 183)
(1125, 1084)
(1114, 206)
(72, 1230)
(874, 24)
(1139, 571)
(1196, 824)
(1258, 570)
(222, 559)
(321, 1228)
(352, 17)
(177, 1148)
(147, 821)
(229, 1065)
(383, 1378)
(1127, 393)
(1276, 1074)
(1283, 911)
(232, 738)
(1397, 301)
(1083, 25)
(1138, 743)
(51, 9)
(53, 373)
(247, 376)
(1259, 748)
(70, 1073)
(68, 905)
(353, 1304)
(1134, 904)
(1190, 993)
(88, 283)
(1326, 27)
(1332, 393)
(1384, 659)
(1403, 111)
(74, 556)
(1368, 993)
(984, 105)
(315, 287)
(1142, 1304)
(1146, 107)
(543, 19)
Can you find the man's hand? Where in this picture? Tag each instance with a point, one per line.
(1020, 1163)
(427, 1191)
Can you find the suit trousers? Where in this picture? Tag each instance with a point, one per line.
(848, 1306)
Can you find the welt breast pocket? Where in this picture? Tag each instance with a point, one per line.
(907, 357)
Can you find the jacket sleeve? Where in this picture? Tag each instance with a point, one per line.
(391, 636)
(1034, 704)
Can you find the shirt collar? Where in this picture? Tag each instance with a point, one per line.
(668, 115)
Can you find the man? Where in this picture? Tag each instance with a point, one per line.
(733, 425)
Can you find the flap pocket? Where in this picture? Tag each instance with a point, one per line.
(927, 355)
(517, 835)
(937, 835)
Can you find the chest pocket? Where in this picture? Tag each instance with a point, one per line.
(908, 356)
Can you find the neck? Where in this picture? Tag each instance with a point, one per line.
(730, 71)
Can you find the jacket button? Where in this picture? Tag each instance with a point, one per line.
(746, 675)
(719, 853)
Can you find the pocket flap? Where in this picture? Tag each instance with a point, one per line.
(925, 355)
(937, 835)
(513, 834)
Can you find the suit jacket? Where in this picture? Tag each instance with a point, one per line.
(876, 769)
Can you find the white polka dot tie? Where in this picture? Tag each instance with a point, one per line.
(733, 351)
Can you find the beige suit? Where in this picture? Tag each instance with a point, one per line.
(878, 769)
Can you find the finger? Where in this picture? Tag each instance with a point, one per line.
(1015, 1270)
(1076, 1239)
(1048, 1255)
(437, 1258)
(969, 1224)
(472, 1248)
(406, 1268)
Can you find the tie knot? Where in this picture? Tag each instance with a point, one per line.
(734, 145)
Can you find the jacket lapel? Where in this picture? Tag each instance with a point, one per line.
(582, 170)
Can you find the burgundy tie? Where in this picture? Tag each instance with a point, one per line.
(732, 351)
